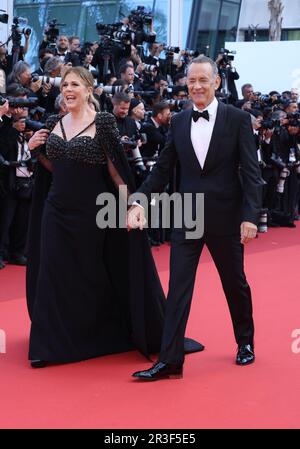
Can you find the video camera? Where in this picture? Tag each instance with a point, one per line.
(227, 56)
(113, 31)
(17, 30)
(169, 51)
(140, 17)
(52, 32)
(18, 102)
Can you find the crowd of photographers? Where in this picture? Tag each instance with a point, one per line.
(142, 88)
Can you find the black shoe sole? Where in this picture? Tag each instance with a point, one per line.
(246, 363)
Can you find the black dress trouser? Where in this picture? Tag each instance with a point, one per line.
(228, 255)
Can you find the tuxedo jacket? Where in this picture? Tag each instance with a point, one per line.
(230, 178)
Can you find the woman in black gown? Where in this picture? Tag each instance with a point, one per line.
(82, 281)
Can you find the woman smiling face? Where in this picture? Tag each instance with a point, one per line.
(75, 92)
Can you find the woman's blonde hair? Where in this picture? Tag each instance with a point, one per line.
(87, 79)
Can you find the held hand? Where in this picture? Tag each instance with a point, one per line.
(46, 87)
(248, 232)
(38, 139)
(136, 218)
(36, 85)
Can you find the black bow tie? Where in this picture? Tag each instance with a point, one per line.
(196, 115)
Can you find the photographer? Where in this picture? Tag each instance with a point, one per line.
(228, 75)
(137, 112)
(111, 49)
(15, 159)
(129, 134)
(247, 93)
(286, 157)
(50, 90)
(127, 74)
(156, 129)
(61, 45)
(153, 59)
(136, 23)
(44, 55)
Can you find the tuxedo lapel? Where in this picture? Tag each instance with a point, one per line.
(216, 138)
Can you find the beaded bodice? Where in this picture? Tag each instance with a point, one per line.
(81, 148)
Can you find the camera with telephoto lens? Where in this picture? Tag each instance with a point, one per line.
(282, 178)
(136, 160)
(270, 123)
(169, 51)
(149, 68)
(47, 80)
(177, 104)
(191, 53)
(122, 36)
(52, 32)
(112, 90)
(277, 162)
(18, 102)
(112, 31)
(265, 100)
(34, 125)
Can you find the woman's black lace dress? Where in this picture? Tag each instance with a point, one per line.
(77, 314)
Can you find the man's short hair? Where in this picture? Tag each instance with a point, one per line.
(124, 67)
(72, 38)
(45, 51)
(245, 86)
(120, 97)
(159, 78)
(159, 108)
(205, 60)
(179, 76)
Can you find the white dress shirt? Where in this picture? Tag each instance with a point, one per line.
(201, 132)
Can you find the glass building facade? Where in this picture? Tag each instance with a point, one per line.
(213, 22)
(79, 17)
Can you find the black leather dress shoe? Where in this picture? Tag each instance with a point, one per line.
(38, 363)
(245, 355)
(160, 370)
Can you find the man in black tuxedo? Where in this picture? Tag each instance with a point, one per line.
(214, 146)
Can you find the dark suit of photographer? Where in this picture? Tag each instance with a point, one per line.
(107, 57)
(228, 76)
(156, 136)
(17, 171)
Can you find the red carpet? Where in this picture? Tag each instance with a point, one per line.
(214, 393)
